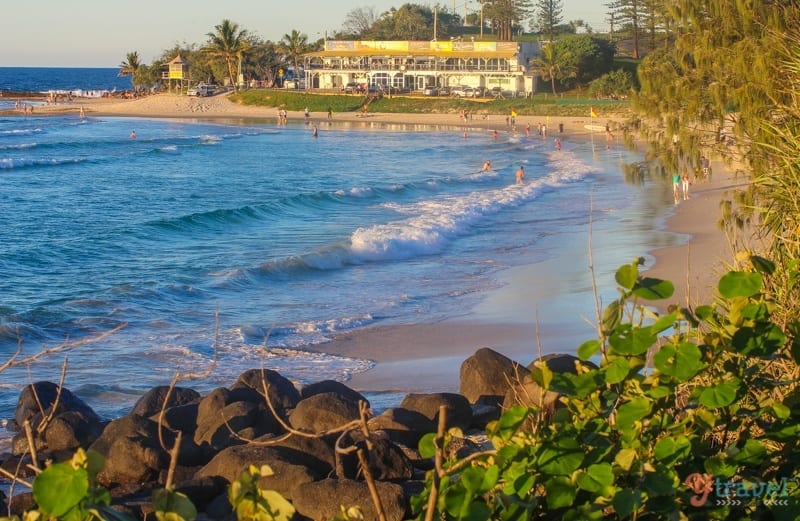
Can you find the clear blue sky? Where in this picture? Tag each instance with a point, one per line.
(99, 33)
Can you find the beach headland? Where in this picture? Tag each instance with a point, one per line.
(433, 352)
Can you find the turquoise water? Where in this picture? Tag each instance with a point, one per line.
(222, 245)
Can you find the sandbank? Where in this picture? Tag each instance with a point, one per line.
(426, 357)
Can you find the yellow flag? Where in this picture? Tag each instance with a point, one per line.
(592, 112)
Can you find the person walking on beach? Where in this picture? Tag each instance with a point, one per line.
(520, 175)
(685, 184)
(676, 184)
(308, 115)
(330, 114)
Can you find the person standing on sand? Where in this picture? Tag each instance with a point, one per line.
(685, 184)
(520, 175)
(676, 183)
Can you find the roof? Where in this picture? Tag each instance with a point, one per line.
(414, 53)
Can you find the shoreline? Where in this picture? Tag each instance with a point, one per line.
(426, 357)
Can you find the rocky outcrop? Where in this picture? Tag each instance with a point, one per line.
(487, 376)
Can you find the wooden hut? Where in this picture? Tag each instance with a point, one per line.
(177, 74)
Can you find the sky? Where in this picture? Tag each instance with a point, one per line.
(100, 33)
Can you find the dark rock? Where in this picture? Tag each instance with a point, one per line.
(403, 426)
(282, 393)
(322, 500)
(332, 386)
(322, 412)
(132, 450)
(311, 452)
(152, 402)
(530, 394)
(387, 462)
(201, 491)
(457, 407)
(561, 364)
(220, 509)
(232, 425)
(179, 418)
(487, 375)
(233, 461)
(20, 503)
(482, 414)
(71, 430)
(47, 394)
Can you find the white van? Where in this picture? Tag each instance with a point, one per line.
(202, 90)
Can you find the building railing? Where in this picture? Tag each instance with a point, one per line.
(414, 67)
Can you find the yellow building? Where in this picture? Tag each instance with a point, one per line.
(410, 66)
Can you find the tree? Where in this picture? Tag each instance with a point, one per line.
(548, 14)
(414, 22)
(630, 13)
(129, 67)
(589, 56)
(293, 45)
(228, 44)
(505, 16)
(359, 21)
(555, 63)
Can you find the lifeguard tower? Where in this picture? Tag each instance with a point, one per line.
(177, 74)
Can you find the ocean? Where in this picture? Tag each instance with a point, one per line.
(219, 246)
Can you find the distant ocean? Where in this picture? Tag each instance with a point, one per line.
(45, 79)
(256, 242)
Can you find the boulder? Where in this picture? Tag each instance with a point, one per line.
(71, 430)
(245, 420)
(233, 461)
(322, 500)
(282, 393)
(46, 394)
(323, 412)
(387, 462)
(459, 412)
(403, 426)
(152, 402)
(487, 375)
(132, 451)
(332, 386)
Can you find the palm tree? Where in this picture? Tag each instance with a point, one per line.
(553, 64)
(292, 46)
(130, 66)
(228, 43)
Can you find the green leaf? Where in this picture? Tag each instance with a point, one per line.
(632, 411)
(752, 453)
(479, 480)
(653, 289)
(560, 492)
(629, 340)
(60, 487)
(671, 449)
(612, 316)
(596, 478)
(172, 502)
(427, 445)
(626, 276)
(278, 508)
(617, 371)
(781, 411)
(626, 502)
(763, 340)
(704, 312)
(681, 362)
(762, 265)
(664, 322)
(625, 458)
(719, 467)
(510, 421)
(720, 395)
(561, 458)
(588, 349)
(740, 284)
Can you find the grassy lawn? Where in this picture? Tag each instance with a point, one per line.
(541, 104)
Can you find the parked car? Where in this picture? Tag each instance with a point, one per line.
(430, 90)
(462, 91)
(202, 90)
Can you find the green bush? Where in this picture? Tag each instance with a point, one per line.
(692, 415)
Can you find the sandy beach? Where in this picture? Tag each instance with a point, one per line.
(432, 353)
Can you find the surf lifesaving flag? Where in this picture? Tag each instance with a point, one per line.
(592, 112)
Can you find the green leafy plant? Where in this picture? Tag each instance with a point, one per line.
(250, 502)
(694, 414)
(69, 491)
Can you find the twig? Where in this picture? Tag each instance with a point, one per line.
(65, 346)
(173, 460)
(14, 478)
(31, 445)
(373, 490)
(54, 406)
(438, 463)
